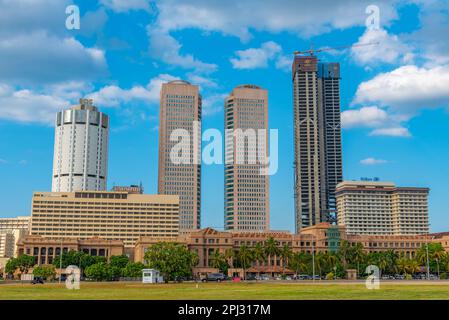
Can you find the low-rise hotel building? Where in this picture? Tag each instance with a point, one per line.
(382, 208)
(110, 215)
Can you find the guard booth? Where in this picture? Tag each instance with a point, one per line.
(151, 276)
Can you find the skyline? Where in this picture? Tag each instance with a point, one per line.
(129, 95)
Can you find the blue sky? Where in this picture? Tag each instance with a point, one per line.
(395, 95)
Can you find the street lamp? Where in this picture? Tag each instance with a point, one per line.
(427, 254)
(313, 257)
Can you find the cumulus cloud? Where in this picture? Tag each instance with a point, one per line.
(240, 18)
(39, 58)
(28, 106)
(391, 132)
(256, 57)
(166, 48)
(364, 117)
(213, 103)
(113, 96)
(378, 120)
(383, 48)
(36, 48)
(407, 89)
(372, 161)
(126, 5)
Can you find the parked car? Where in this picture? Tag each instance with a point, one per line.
(38, 280)
(263, 277)
(217, 277)
(251, 277)
(302, 277)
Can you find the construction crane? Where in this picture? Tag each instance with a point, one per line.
(312, 51)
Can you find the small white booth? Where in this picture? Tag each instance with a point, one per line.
(151, 276)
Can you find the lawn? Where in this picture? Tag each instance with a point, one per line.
(227, 291)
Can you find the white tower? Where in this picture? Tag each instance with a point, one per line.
(81, 149)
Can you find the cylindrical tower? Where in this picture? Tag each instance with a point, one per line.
(81, 149)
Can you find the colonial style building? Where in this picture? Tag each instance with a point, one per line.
(44, 250)
(319, 238)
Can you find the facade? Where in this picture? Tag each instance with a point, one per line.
(317, 139)
(246, 198)
(44, 250)
(180, 130)
(81, 149)
(318, 238)
(11, 230)
(109, 215)
(7, 244)
(381, 208)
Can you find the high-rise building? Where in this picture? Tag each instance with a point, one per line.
(106, 214)
(11, 231)
(317, 139)
(246, 188)
(381, 208)
(81, 149)
(180, 130)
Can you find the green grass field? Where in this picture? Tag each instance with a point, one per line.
(228, 291)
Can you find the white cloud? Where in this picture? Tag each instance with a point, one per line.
(37, 57)
(126, 5)
(364, 117)
(238, 18)
(407, 89)
(202, 81)
(36, 48)
(167, 49)
(372, 161)
(28, 106)
(382, 48)
(213, 103)
(113, 96)
(3, 161)
(375, 118)
(391, 132)
(256, 57)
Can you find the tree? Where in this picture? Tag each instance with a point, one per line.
(271, 247)
(229, 256)
(46, 271)
(218, 260)
(99, 272)
(133, 270)
(172, 259)
(119, 261)
(11, 266)
(23, 263)
(285, 253)
(344, 252)
(259, 253)
(245, 258)
(358, 255)
(298, 262)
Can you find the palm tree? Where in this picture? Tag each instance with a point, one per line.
(438, 255)
(259, 253)
(218, 260)
(358, 255)
(331, 260)
(320, 261)
(345, 253)
(245, 257)
(229, 256)
(298, 262)
(285, 253)
(403, 265)
(413, 266)
(271, 248)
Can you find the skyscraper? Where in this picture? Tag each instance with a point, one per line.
(180, 112)
(246, 188)
(317, 139)
(81, 149)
